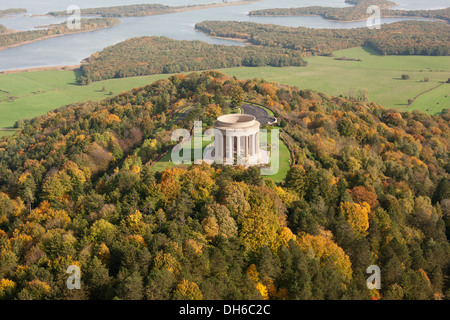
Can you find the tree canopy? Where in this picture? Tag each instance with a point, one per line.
(77, 187)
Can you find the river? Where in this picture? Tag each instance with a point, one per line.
(71, 49)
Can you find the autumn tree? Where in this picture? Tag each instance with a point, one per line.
(237, 96)
(187, 290)
(357, 216)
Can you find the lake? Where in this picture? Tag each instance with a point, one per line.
(71, 49)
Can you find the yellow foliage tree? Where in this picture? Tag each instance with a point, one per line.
(104, 254)
(286, 196)
(102, 229)
(38, 289)
(135, 224)
(253, 274)
(6, 288)
(201, 179)
(326, 250)
(170, 183)
(262, 290)
(49, 217)
(210, 227)
(259, 227)
(187, 290)
(136, 240)
(285, 236)
(166, 260)
(213, 111)
(357, 215)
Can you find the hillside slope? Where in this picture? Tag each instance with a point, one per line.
(368, 186)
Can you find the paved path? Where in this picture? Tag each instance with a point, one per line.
(260, 114)
(182, 116)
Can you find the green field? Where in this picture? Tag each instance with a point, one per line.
(41, 91)
(36, 93)
(435, 100)
(380, 75)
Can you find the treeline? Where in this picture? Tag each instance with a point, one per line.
(405, 37)
(5, 12)
(422, 38)
(140, 10)
(3, 28)
(442, 14)
(369, 186)
(54, 30)
(135, 10)
(153, 55)
(357, 12)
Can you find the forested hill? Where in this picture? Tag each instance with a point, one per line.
(154, 55)
(357, 12)
(370, 186)
(400, 38)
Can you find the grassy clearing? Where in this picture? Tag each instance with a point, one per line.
(380, 75)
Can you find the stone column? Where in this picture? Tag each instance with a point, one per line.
(238, 147)
(246, 148)
(217, 146)
(257, 144)
(224, 147)
(230, 149)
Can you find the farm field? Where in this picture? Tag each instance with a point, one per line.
(436, 100)
(35, 93)
(29, 94)
(380, 75)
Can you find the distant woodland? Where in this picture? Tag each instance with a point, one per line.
(357, 12)
(400, 38)
(17, 38)
(122, 11)
(139, 10)
(5, 12)
(153, 55)
(3, 28)
(367, 186)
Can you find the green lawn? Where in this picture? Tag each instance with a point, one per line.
(380, 75)
(166, 161)
(284, 156)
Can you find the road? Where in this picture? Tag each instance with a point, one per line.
(183, 115)
(259, 113)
